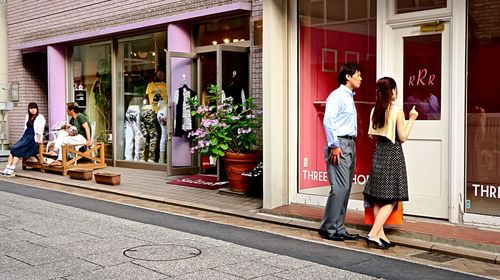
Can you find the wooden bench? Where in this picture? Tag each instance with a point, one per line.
(92, 162)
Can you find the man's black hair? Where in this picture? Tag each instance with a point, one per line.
(348, 68)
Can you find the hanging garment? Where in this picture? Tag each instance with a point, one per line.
(183, 122)
(236, 92)
(162, 120)
(149, 133)
(133, 135)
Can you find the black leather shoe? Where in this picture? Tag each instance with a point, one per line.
(347, 236)
(377, 244)
(326, 235)
(387, 243)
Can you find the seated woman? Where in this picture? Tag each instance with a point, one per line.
(27, 146)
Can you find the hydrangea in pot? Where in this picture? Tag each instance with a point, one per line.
(228, 130)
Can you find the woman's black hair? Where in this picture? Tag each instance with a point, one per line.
(32, 105)
(384, 89)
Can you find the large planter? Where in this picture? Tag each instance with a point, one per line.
(80, 174)
(107, 178)
(236, 164)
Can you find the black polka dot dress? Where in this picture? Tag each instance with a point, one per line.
(388, 181)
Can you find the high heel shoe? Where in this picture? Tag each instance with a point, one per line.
(377, 244)
(387, 243)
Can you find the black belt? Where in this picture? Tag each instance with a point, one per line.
(347, 137)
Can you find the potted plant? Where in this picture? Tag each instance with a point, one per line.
(229, 131)
(108, 178)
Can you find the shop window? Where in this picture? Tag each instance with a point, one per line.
(91, 71)
(326, 42)
(422, 76)
(483, 109)
(142, 99)
(408, 6)
(222, 31)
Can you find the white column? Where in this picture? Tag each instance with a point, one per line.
(4, 75)
(457, 112)
(275, 104)
(4, 94)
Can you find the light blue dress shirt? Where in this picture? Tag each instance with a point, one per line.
(340, 116)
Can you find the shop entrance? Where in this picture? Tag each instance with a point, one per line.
(182, 83)
(420, 63)
(228, 67)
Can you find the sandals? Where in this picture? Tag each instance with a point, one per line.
(50, 154)
(56, 163)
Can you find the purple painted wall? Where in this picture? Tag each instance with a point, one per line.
(181, 67)
(56, 84)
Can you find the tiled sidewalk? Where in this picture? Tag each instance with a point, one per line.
(425, 234)
(423, 227)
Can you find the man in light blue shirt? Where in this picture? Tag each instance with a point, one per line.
(340, 123)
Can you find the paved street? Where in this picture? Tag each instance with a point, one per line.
(52, 240)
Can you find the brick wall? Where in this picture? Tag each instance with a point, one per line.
(256, 57)
(29, 21)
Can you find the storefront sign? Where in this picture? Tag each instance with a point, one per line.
(482, 198)
(322, 176)
(488, 191)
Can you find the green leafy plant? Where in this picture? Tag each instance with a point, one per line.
(225, 126)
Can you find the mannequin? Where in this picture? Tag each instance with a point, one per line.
(149, 133)
(133, 135)
(162, 120)
(234, 90)
(157, 90)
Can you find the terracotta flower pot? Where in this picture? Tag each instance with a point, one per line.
(107, 178)
(238, 163)
(80, 174)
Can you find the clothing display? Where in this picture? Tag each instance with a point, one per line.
(133, 135)
(93, 112)
(162, 120)
(236, 91)
(148, 124)
(183, 122)
(156, 92)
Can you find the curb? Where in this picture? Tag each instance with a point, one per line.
(404, 238)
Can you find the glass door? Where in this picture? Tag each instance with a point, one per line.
(182, 82)
(227, 66)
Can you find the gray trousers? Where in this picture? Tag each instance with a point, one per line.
(340, 177)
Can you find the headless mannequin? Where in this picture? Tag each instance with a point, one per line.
(237, 92)
(149, 133)
(162, 120)
(133, 135)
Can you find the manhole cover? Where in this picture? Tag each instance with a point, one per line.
(162, 252)
(435, 257)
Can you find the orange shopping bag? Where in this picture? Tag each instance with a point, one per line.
(396, 217)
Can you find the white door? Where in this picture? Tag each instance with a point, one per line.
(420, 63)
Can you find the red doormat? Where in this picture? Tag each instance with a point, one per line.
(199, 181)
